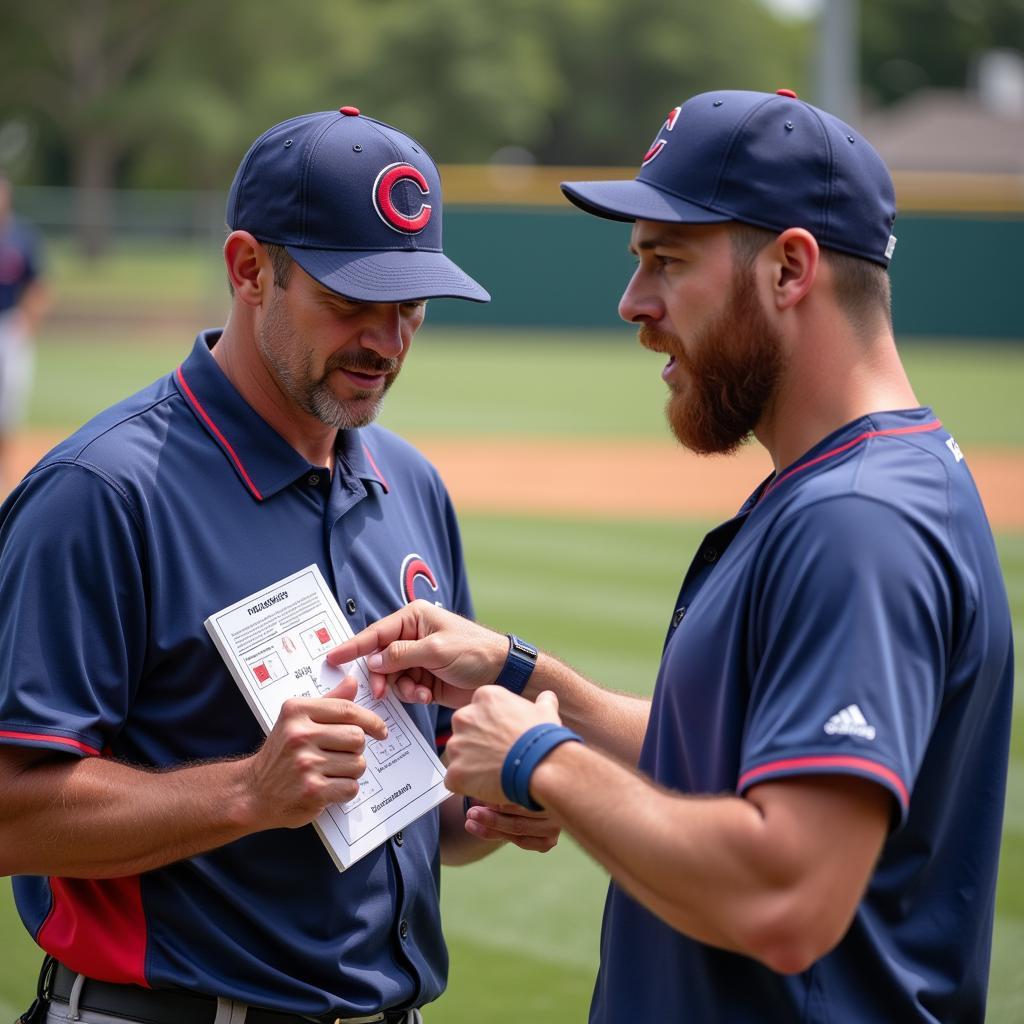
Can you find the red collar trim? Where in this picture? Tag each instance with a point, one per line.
(376, 470)
(866, 436)
(205, 416)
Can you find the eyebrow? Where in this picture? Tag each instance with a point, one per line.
(667, 240)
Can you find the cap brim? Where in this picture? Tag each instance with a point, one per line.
(394, 275)
(636, 200)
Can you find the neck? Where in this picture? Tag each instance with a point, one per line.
(827, 385)
(238, 356)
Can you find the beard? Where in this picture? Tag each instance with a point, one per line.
(730, 378)
(292, 366)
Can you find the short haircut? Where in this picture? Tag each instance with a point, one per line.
(861, 287)
(281, 261)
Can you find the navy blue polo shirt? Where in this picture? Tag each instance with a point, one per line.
(113, 550)
(851, 620)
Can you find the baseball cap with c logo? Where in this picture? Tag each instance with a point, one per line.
(356, 203)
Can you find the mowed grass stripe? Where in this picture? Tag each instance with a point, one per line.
(498, 381)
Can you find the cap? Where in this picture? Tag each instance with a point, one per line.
(356, 203)
(767, 159)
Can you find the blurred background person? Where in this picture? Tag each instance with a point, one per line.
(23, 303)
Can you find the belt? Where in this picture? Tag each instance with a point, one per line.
(175, 1006)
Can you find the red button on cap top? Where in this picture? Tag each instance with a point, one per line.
(786, 92)
(349, 111)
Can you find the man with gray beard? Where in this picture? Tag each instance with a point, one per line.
(162, 850)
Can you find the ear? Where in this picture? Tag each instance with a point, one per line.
(248, 266)
(795, 257)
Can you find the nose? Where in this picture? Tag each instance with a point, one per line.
(382, 330)
(639, 303)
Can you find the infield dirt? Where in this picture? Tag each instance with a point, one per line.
(615, 479)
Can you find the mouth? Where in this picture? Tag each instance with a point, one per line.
(364, 381)
(668, 368)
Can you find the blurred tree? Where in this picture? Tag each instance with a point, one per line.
(908, 44)
(84, 68)
(621, 66)
(168, 93)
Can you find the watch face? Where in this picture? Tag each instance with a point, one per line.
(522, 647)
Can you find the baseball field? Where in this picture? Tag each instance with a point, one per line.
(579, 515)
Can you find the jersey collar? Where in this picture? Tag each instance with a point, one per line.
(847, 439)
(263, 461)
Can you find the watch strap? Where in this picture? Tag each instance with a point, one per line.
(519, 665)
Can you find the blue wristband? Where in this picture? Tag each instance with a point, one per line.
(525, 754)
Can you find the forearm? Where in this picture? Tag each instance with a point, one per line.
(458, 847)
(98, 818)
(690, 861)
(775, 875)
(613, 722)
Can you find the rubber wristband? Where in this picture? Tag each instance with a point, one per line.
(525, 754)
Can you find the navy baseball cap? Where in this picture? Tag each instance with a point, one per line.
(767, 159)
(356, 203)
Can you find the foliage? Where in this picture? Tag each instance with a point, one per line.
(168, 93)
(909, 44)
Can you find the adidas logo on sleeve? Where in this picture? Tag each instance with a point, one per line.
(850, 722)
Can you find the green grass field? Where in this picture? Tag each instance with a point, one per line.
(523, 929)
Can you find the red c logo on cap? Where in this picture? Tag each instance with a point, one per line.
(660, 143)
(385, 207)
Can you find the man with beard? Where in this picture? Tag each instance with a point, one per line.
(813, 832)
(162, 849)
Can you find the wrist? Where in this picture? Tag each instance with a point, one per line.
(525, 756)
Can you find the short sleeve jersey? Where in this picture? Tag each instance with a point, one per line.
(113, 551)
(852, 619)
(20, 262)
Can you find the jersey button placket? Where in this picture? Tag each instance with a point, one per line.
(403, 929)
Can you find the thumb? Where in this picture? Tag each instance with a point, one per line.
(345, 690)
(547, 701)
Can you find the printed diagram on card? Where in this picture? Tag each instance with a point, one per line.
(275, 644)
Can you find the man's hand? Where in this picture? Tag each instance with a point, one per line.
(482, 734)
(427, 654)
(529, 830)
(312, 757)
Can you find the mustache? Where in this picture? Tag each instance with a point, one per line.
(660, 341)
(361, 362)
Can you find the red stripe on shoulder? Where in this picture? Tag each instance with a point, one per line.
(40, 737)
(826, 762)
(205, 416)
(866, 436)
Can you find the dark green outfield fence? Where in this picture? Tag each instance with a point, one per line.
(953, 275)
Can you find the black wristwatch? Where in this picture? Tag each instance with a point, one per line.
(519, 665)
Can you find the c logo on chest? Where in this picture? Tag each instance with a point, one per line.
(413, 569)
(384, 204)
